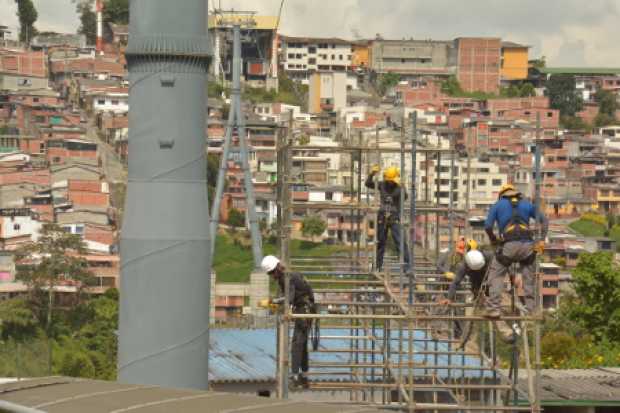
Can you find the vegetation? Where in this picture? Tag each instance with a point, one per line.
(452, 87)
(27, 15)
(55, 257)
(607, 108)
(88, 20)
(386, 82)
(236, 218)
(313, 226)
(518, 91)
(234, 262)
(575, 123)
(595, 225)
(213, 167)
(114, 11)
(563, 95)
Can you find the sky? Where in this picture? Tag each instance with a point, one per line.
(566, 32)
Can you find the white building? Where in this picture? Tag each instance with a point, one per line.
(117, 102)
(328, 92)
(302, 55)
(17, 226)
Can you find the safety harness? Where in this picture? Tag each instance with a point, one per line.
(517, 229)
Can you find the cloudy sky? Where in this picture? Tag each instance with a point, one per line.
(567, 32)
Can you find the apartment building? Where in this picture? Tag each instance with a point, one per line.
(300, 56)
(412, 57)
(479, 63)
(515, 61)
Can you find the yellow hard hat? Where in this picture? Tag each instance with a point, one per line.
(472, 244)
(264, 303)
(505, 188)
(391, 174)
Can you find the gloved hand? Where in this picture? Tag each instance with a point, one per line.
(539, 247)
(375, 169)
(449, 275)
(445, 301)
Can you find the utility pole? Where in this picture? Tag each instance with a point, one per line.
(236, 120)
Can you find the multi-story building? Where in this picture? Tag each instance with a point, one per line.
(515, 61)
(328, 92)
(479, 63)
(301, 56)
(22, 70)
(412, 57)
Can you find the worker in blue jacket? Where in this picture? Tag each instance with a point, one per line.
(516, 244)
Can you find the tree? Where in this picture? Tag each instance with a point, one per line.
(387, 81)
(116, 11)
(88, 20)
(313, 226)
(213, 169)
(451, 87)
(236, 218)
(527, 90)
(54, 259)
(563, 95)
(607, 102)
(27, 14)
(16, 320)
(597, 284)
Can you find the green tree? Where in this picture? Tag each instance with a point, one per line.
(607, 102)
(387, 81)
(597, 284)
(88, 20)
(236, 218)
(451, 87)
(313, 226)
(16, 320)
(56, 257)
(527, 90)
(116, 11)
(27, 15)
(563, 95)
(213, 168)
(574, 123)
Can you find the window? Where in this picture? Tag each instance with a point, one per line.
(24, 82)
(291, 55)
(329, 196)
(115, 102)
(549, 114)
(35, 100)
(497, 182)
(101, 101)
(16, 227)
(339, 57)
(312, 61)
(482, 182)
(312, 50)
(333, 57)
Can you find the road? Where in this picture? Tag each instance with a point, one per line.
(114, 170)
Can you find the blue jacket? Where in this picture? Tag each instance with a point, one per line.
(501, 213)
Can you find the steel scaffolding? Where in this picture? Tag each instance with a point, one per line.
(385, 339)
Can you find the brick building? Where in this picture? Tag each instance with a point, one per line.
(479, 63)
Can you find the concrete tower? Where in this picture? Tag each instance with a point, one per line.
(165, 242)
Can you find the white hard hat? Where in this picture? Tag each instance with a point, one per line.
(269, 263)
(474, 260)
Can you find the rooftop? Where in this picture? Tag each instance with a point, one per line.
(70, 395)
(580, 70)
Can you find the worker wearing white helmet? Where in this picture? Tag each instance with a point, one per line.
(301, 298)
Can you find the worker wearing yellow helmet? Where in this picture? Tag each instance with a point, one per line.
(388, 217)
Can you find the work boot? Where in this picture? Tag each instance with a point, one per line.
(492, 314)
(303, 379)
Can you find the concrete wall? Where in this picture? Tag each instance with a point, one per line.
(17, 82)
(408, 55)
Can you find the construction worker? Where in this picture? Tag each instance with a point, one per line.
(475, 266)
(301, 299)
(388, 217)
(516, 244)
(448, 262)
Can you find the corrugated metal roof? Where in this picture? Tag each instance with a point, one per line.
(250, 355)
(583, 387)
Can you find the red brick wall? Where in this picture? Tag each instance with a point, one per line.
(479, 64)
(86, 198)
(39, 177)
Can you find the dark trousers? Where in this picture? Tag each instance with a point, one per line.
(299, 346)
(383, 226)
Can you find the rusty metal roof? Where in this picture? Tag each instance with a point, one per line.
(67, 395)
